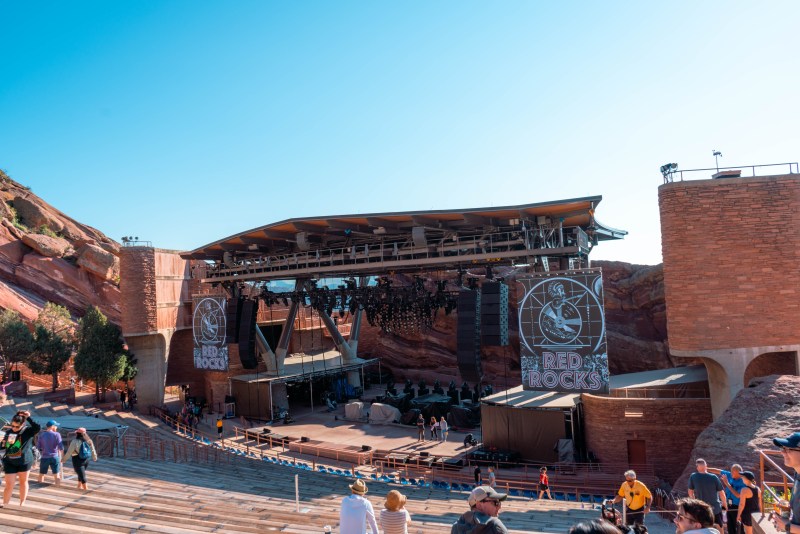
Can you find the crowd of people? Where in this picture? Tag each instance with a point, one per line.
(23, 444)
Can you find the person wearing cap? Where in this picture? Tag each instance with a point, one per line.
(74, 452)
(749, 501)
(51, 447)
(484, 507)
(637, 499)
(694, 517)
(17, 441)
(357, 511)
(790, 449)
(394, 517)
(708, 488)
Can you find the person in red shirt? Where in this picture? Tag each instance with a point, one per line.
(544, 483)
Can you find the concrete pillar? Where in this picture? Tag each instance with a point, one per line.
(152, 352)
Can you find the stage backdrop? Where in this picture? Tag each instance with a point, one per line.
(208, 327)
(563, 332)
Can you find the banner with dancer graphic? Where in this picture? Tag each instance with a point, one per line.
(562, 332)
(208, 327)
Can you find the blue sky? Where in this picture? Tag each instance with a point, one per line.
(182, 122)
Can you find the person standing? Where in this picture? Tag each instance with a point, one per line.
(477, 474)
(637, 499)
(694, 517)
(433, 427)
(220, 427)
(544, 484)
(732, 480)
(443, 429)
(749, 501)
(484, 509)
(51, 447)
(492, 478)
(123, 398)
(420, 428)
(81, 450)
(790, 449)
(708, 488)
(17, 441)
(357, 511)
(394, 517)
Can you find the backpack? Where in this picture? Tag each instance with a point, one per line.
(85, 451)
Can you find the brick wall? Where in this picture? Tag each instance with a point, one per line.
(138, 290)
(669, 428)
(731, 251)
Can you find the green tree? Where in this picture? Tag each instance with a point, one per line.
(131, 369)
(100, 356)
(50, 354)
(58, 321)
(16, 340)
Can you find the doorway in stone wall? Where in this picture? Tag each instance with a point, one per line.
(637, 452)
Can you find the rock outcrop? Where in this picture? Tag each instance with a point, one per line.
(768, 408)
(47, 256)
(635, 317)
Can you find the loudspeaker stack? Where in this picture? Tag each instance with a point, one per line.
(233, 314)
(494, 314)
(468, 327)
(247, 334)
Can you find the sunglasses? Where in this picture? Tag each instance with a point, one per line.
(686, 517)
(494, 502)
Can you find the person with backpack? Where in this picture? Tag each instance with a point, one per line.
(17, 442)
(81, 450)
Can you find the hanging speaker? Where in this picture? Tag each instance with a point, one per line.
(233, 313)
(418, 236)
(468, 348)
(247, 334)
(494, 314)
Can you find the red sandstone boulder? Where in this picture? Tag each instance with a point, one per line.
(98, 261)
(34, 216)
(50, 247)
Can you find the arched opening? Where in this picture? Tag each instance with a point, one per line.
(771, 363)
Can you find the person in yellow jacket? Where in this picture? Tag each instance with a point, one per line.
(637, 499)
(81, 450)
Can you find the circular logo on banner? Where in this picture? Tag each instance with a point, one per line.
(562, 312)
(209, 322)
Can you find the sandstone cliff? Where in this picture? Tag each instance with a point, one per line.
(47, 256)
(636, 330)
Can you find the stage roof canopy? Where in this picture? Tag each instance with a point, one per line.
(382, 242)
(658, 379)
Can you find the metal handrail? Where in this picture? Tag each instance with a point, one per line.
(793, 169)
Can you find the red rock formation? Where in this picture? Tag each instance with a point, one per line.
(636, 331)
(39, 262)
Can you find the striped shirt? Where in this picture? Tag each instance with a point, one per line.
(395, 522)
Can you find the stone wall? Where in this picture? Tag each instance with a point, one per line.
(731, 251)
(138, 290)
(668, 427)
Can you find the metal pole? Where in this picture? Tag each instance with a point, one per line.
(271, 407)
(297, 492)
(311, 384)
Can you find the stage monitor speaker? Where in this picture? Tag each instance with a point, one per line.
(233, 314)
(16, 376)
(303, 439)
(468, 347)
(366, 448)
(494, 314)
(247, 334)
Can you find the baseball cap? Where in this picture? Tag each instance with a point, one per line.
(749, 475)
(52, 422)
(484, 492)
(792, 441)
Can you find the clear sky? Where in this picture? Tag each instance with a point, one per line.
(183, 122)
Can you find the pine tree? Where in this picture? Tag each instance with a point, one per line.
(100, 356)
(16, 340)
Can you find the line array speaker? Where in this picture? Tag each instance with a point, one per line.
(468, 325)
(247, 334)
(494, 314)
(233, 314)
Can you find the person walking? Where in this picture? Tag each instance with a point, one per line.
(790, 450)
(357, 511)
(394, 517)
(420, 428)
(544, 484)
(17, 441)
(484, 509)
(492, 478)
(749, 501)
(708, 488)
(443, 429)
(477, 475)
(81, 450)
(434, 425)
(50, 447)
(637, 499)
